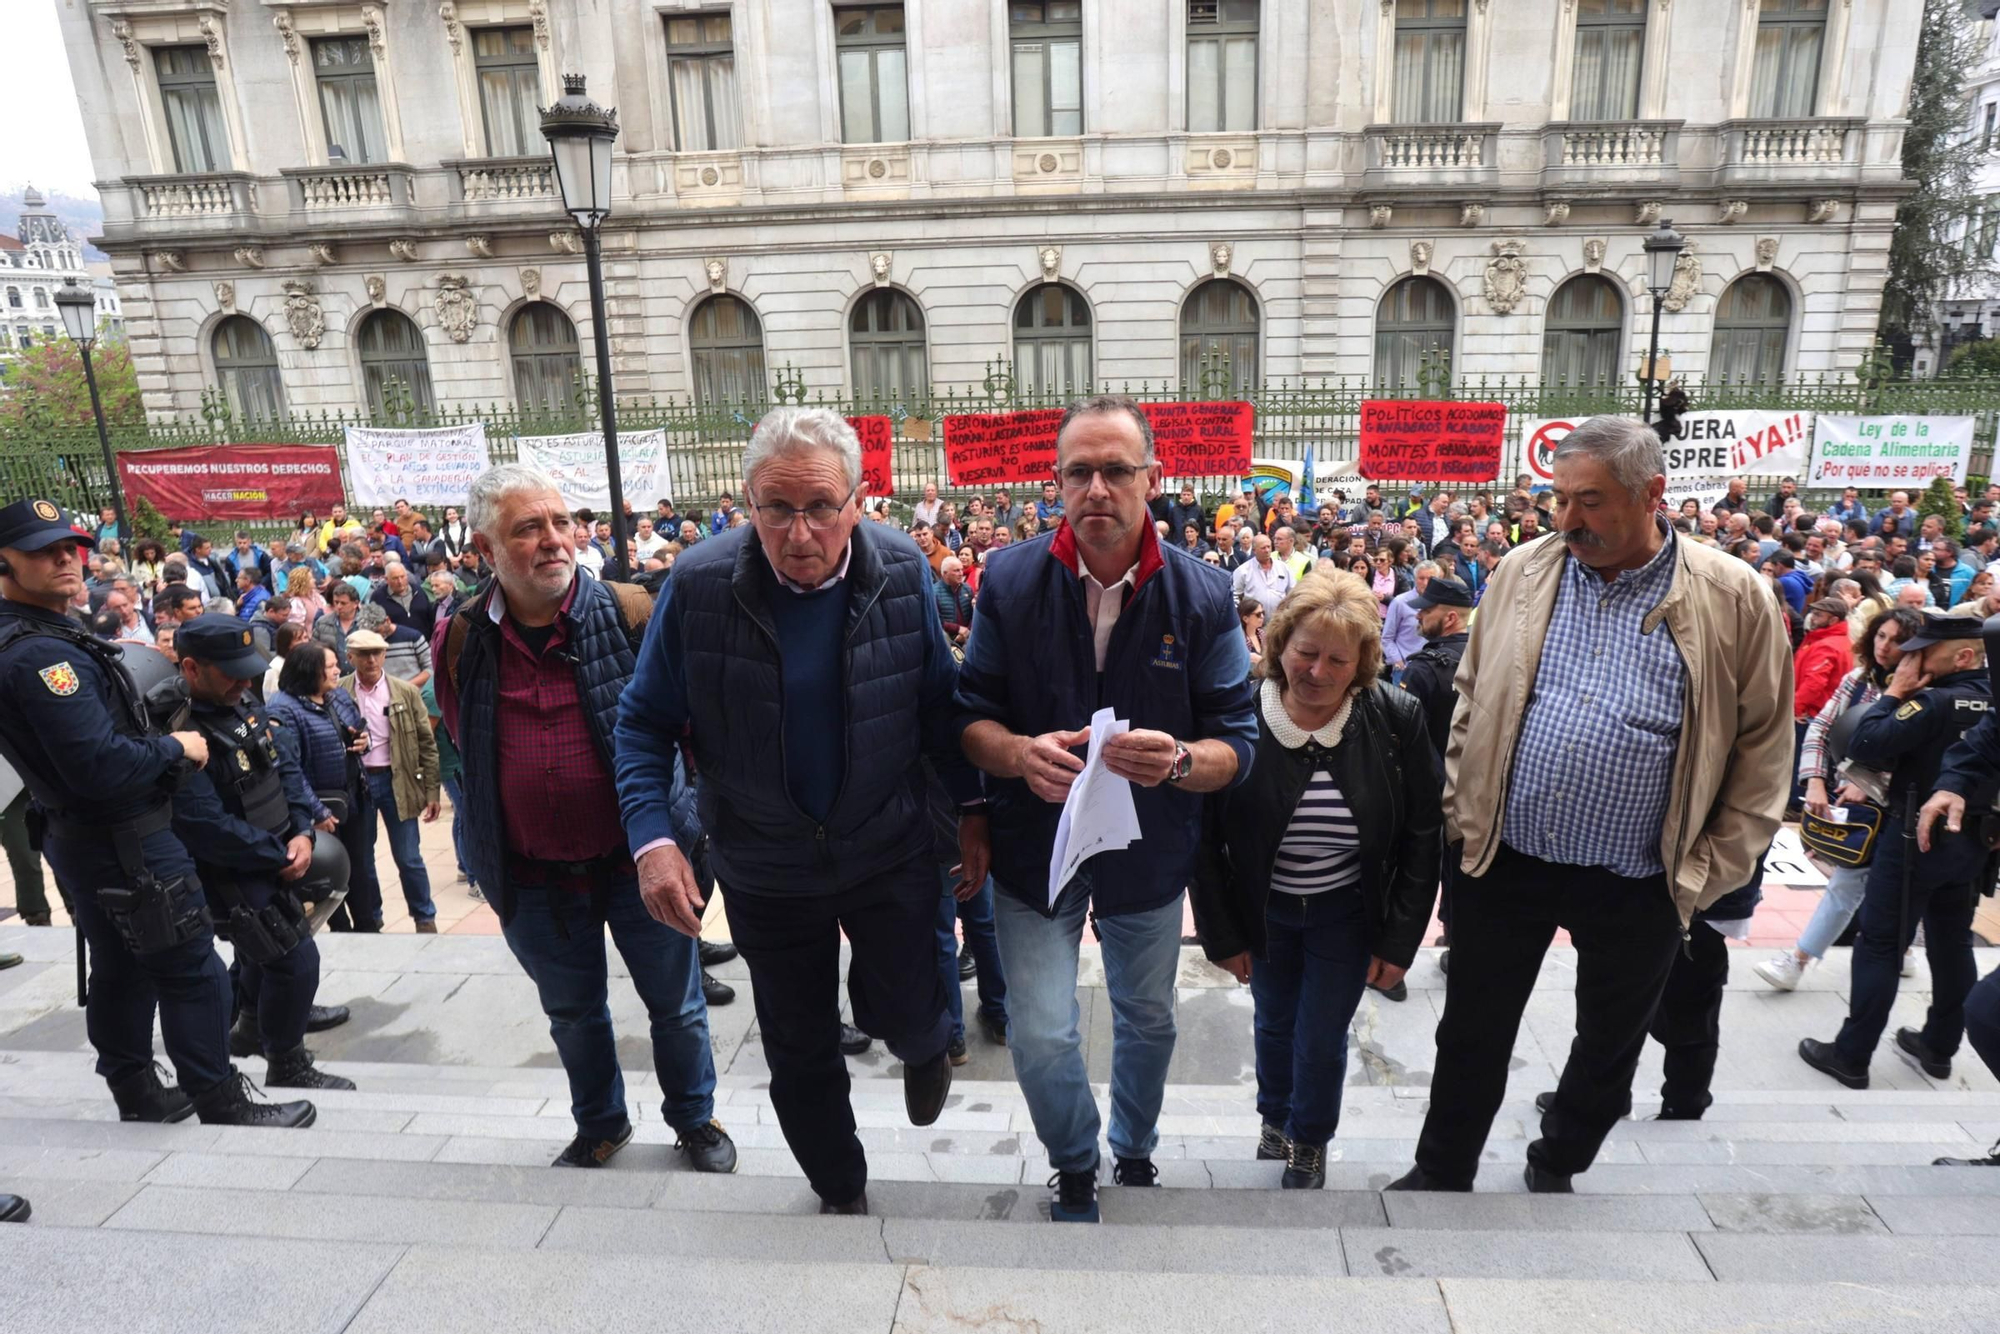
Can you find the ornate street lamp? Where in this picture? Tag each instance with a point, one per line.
(580, 135)
(1663, 248)
(79, 317)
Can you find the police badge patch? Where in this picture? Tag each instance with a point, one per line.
(60, 679)
(1909, 711)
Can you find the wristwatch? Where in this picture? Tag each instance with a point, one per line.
(1183, 764)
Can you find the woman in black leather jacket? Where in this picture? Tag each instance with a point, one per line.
(1316, 875)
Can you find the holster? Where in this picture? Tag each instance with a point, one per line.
(149, 914)
(262, 935)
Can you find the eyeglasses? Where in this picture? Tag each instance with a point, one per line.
(819, 518)
(1117, 476)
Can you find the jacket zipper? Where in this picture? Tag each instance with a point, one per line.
(819, 829)
(1687, 791)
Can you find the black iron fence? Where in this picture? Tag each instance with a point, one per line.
(705, 441)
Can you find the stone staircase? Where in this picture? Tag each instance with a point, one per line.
(424, 1201)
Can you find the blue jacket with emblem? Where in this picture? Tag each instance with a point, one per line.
(597, 639)
(1176, 664)
(712, 667)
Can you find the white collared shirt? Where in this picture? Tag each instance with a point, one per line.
(1104, 605)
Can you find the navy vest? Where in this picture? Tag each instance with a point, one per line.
(759, 840)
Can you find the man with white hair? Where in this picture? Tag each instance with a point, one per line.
(530, 672)
(802, 658)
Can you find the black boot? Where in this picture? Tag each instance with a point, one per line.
(145, 1097)
(244, 1037)
(322, 1017)
(1305, 1169)
(295, 1070)
(230, 1104)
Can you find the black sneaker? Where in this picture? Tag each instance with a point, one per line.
(857, 1205)
(1418, 1179)
(714, 952)
(14, 1209)
(295, 1070)
(968, 967)
(1075, 1198)
(244, 1038)
(1822, 1057)
(1272, 1146)
(1990, 1160)
(590, 1151)
(708, 1147)
(322, 1017)
(231, 1103)
(1135, 1172)
(1911, 1046)
(853, 1041)
(1444, 962)
(146, 1096)
(955, 1050)
(994, 1029)
(1544, 1101)
(1306, 1168)
(925, 1087)
(714, 990)
(1399, 992)
(1541, 1181)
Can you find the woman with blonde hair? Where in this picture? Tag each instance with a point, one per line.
(307, 605)
(1317, 873)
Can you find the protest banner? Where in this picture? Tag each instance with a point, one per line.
(878, 439)
(1870, 452)
(1711, 444)
(1421, 441)
(1189, 440)
(233, 481)
(430, 466)
(577, 463)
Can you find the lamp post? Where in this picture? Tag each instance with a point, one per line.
(580, 135)
(1663, 247)
(79, 317)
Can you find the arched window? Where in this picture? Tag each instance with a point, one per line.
(1219, 320)
(885, 336)
(1414, 325)
(1052, 342)
(14, 298)
(246, 366)
(1582, 332)
(41, 298)
(392, 349)
(547, 367)
(728, 347)
(1752, 322)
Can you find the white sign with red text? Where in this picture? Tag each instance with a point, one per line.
(1729, 443)
(1872, 452)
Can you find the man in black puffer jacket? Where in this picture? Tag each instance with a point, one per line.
(803, 658)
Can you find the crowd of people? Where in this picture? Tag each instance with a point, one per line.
(852, 725)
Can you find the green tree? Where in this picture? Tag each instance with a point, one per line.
(1939, 500)
(1981, 357)
(1930, 249)
(46, 382)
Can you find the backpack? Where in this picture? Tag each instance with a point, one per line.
(635, 608)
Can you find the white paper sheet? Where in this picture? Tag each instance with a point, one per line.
(1099, 815)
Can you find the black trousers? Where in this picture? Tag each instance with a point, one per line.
(1888, 925)
(1626, 933)
(361, 910)
(1688, 1023)
(1982, 1020)
(791, 942)
(279, 993)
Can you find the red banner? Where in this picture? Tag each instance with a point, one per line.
(878, 438)
(233, 481)
(1431, 442)
(1189, 439)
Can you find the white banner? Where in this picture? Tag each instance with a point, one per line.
(433, 466)
(1873, 452)
(577, 464)
(1711, 444)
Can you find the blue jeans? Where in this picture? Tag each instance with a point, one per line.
(1141, 956)
(572, 978)
(404, 846)
(455, 789)
(1306, 987)
(977, 914)
(1838, 903)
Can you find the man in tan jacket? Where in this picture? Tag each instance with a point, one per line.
(399, 770)
(1619, 758)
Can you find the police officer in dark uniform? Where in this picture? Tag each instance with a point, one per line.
(247, 816)
(1431, 674)
(76, 731)
(1938, 693)
(1971, 773)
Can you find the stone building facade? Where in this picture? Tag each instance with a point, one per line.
(34, 264)
(310, 200)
